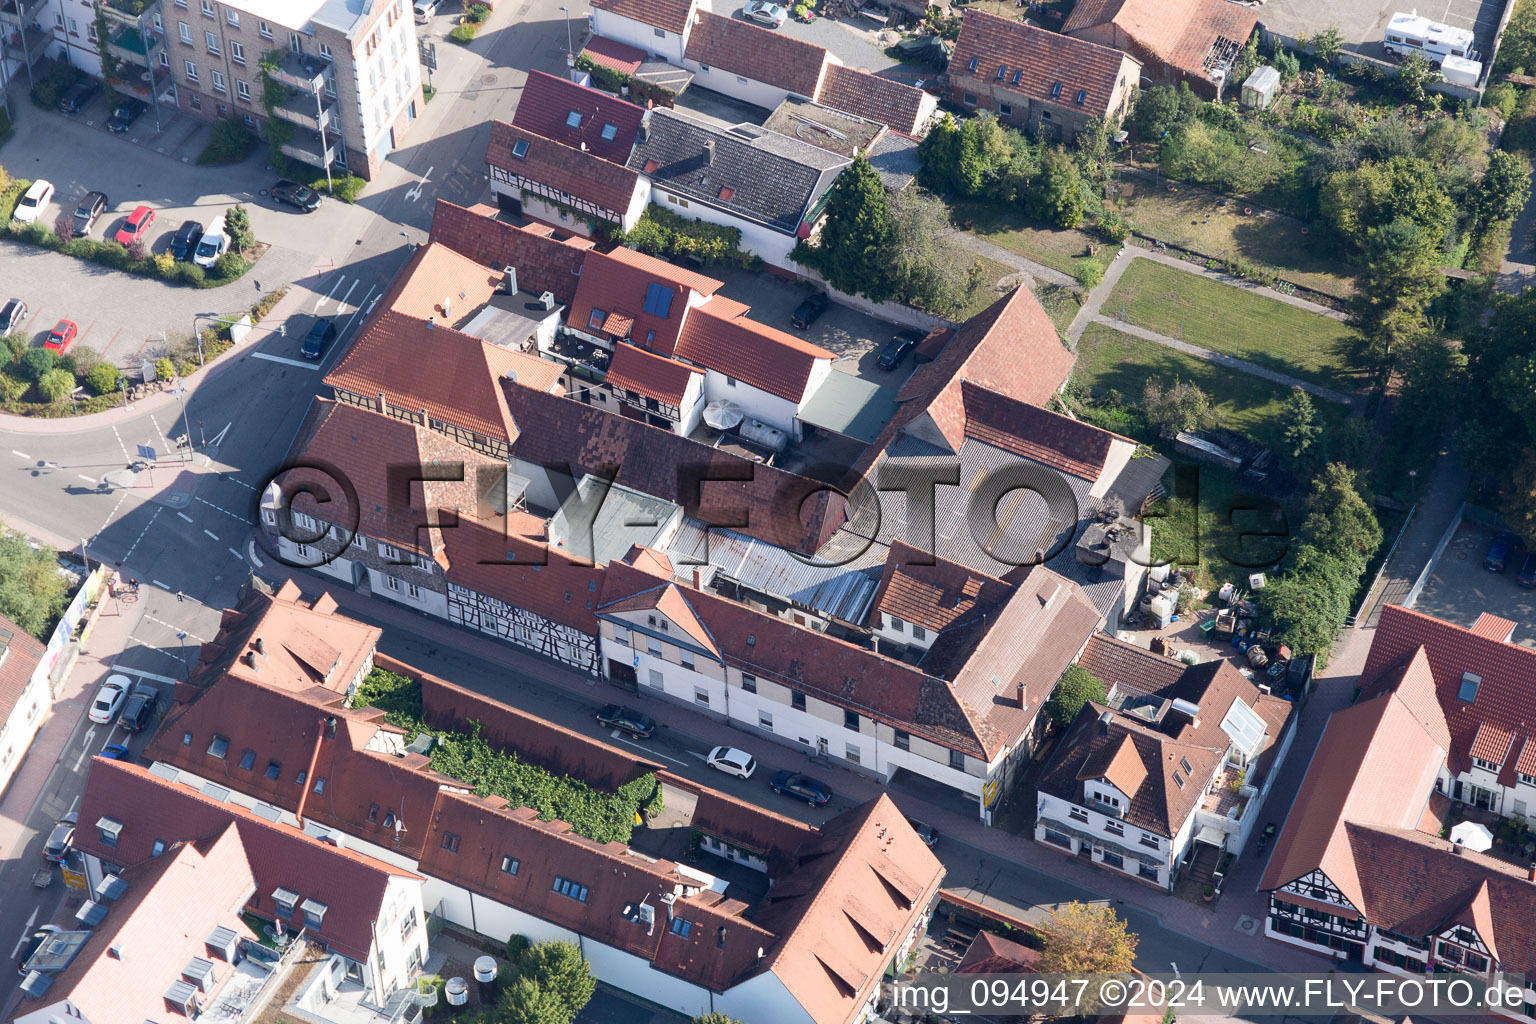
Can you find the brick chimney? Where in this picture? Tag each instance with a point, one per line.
(697, 576)
(1530, 873)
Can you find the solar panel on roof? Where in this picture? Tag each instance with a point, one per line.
(658, 300)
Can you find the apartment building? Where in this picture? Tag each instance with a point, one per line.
(347, 72)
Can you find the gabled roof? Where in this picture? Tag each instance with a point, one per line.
(542, 263)
(646, 373)
(1180, 33)
(1375, 764)
(1127, 668)
(738, 47)
(170, 906)
(372, 450)
(1011, 348)
(571, 171)
(932, 592)
(670, 600)
(20, 654)
(1045, 66)
(509, 558)
(352, 885)
(894, 104)
(671, 15)
(709, 483)
(442, 284)
(1504, 703)
(1058, 441)
(624, 293)
(605, 125)
(752, 173)
(614, 55)
(719, 339)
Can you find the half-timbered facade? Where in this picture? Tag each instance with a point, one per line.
(522, 627)
(1312, 909)
(561, 184)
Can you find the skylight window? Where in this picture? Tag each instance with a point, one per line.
(1056, 90)
(1469, 685)
(610, 132)
(974, 62)
(1082, 94)
(219, 747)
(573, 119)
(1018, 75)
(520, 148)
(1002, 72)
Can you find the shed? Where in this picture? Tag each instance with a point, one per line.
(1259, 89)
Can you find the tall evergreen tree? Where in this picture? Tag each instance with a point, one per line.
(854, 250)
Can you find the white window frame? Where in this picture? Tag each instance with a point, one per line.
(262, 28)
(212, 39)
(191, 69)
(208, 11)
(237, 51)
(243, 91)
(325, 51)
(216, 79)
(186, 33)
(232, 17)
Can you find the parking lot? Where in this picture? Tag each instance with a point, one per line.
(1362, 22)
(858, 42)
(122, 316)
(1459, 589)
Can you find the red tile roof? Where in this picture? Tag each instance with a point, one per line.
(617, 283)
(583, 175)
(1128, 668)
(1504, 699)
(542, 264)
(651, 375)
(1492, 627)
(709, 483)
(993, 954)
(171, 905)
(1045, 66)
(753, 353)
(19, 658)
(739, 47)
(1179, 33)
(443, 284)
(856, 91)
(370, 449)
(612, 54)
(671, 15)
(352, 885)
(1375, 764)
(1058, 441)
(508, 558)
(932, 592)
(1011, 347)
(606, 124)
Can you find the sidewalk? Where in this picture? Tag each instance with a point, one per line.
(1009, 258)
(1213, 924)
(1437, 513)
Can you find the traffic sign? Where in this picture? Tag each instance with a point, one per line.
(146, 452)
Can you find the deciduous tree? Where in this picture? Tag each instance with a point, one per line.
(1085, 938)
(1057, 197)
(1076, 687)
(32, 593)
(1177, 407)
(1339, 521)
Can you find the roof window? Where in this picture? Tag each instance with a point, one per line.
(975, 61)
(1469, 685)
(658, 300)
(219, 747)
(1002, 72)
(520, 148)
(1018, 74)
(595, 319)
(573, 119)
(610, 132)
(1082, 94)
(1055, 90)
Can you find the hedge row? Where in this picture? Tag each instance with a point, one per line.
(467, 757)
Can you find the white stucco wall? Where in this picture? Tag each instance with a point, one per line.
(25, 720)
(1054, 812)
(729, 83)
(663, 43)
(762, 241)
(755, 402)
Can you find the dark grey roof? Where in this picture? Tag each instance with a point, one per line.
(772, 179)
(832, 130)
(894, 158)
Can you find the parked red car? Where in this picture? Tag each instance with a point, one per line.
(62, 336)
(136, 225)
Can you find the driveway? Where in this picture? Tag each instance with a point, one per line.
(1459, 589)
(858, 42)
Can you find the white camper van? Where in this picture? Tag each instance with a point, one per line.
(1409, 33)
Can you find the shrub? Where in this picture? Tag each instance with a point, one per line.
(165, 265)
(1088, 272)
(346, 187)
(10, 196)
(112, 254)
(55, 385)
(231, 143)
(191, 273)
(38, 234)
(137, 250)
(237, 224)
(1113, 227)
(50, 86)
(228, 267)
(477, 13)
(35, 362)
(604, 77)
(11, 389)
(102, 378)
(164, 368)
(16, 346)
(463, 34)
(64, 228)
(517, 948)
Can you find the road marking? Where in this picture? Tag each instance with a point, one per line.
(348, 326)
(112, 516)
(211, 534)
(151, 522)
(162, 586)
(87, 479)
(234, 552)
(145, 675)
(22, 455)
(26, 930)
(218, 438)
(120, 443)
(176, 629)
(184, 516)
(648, 750)
(288, 362)
(90, 734)
(415, 193)
(232, 515)
(341, 279)
(343, 301)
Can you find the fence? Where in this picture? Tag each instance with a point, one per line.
(1370, 591)
(1466, 511)
(70, 622)
(1222, 264)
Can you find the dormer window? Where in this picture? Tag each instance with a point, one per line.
(285, 900)
(314, 913)
(108, 830)
(1487, 766)
(219, 747)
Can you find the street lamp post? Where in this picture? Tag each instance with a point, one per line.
(570, 49)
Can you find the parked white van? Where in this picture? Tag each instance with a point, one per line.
(215, 243)
(1409, 33)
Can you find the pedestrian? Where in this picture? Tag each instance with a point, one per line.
(179, 597)
(133, 584)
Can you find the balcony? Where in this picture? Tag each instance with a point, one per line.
(21, 12)
(302, 71)
(300, 109)
(128, 44)
(128, 12)
(33, 47)
(307, 147)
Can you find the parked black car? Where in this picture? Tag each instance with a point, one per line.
(185, 242)
(808, 311)
(301, 197)
(12, 315)
(322, 333)
(125, 113)
(926, 832)
(139, 710)
(616, 716)
(898, 348)
(812, 791)
(87, 211)
(78, 95)
(1500, 552)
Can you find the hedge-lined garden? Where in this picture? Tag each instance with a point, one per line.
(466, 756)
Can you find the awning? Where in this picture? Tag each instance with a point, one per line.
(851, 406)
(1211, 836)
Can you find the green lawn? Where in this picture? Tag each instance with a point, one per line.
(1060, 304)
(1005, 226)
(1109, 359)
(1196, 220)
(1234, 321)
(984, 297)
